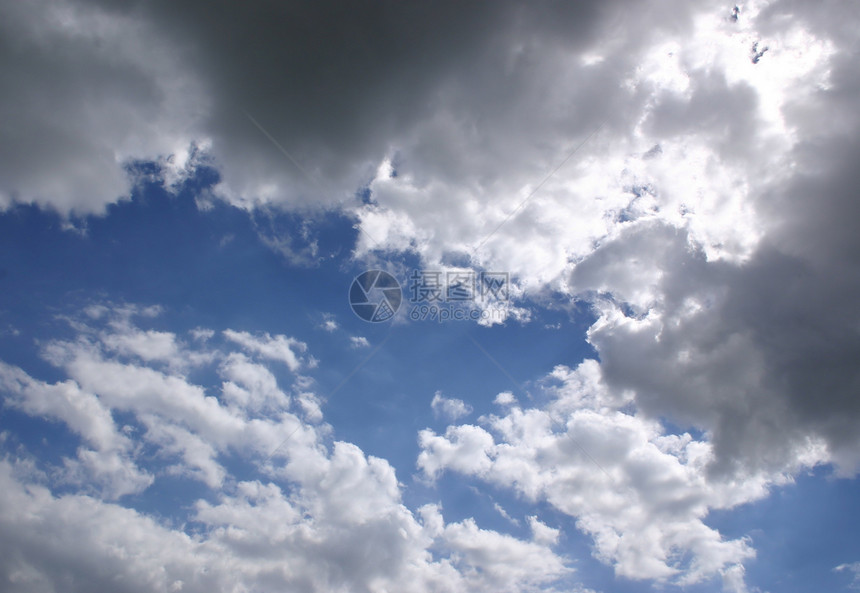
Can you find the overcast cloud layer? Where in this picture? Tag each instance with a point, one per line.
(706, 210)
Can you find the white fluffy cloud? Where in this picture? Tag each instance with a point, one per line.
(359, 342)
(449, 408)
(708, 222)
(317, 515)
(642, 494)
(280, 348)
(104, 453)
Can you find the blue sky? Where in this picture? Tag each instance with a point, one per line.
(665, 398)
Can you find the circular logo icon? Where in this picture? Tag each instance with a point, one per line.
(375, 296)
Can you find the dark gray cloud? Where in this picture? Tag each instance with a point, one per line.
(338, 86)
(768, 360)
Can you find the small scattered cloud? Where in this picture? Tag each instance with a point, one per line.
(501, 510)
(449, 408)
(854, 569)
(202, 334)
(281, 348)
(359, 342)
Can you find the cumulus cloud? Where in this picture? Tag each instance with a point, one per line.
(854, 569)
(104, 453)
(640, 492)
(251, 386)
(201, 334)
(631, 156)
(733, 580)
(294, 106)
(494, 558)
(281, 348)
(449, 408)
(736, 351)
(310, 513)
(359, 342)
(724, 293)
(300, 105)
(329, 323)
(88, 92)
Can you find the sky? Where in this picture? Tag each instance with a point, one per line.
(429, 297)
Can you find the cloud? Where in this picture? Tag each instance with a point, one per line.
(854, 569)
(709, 221)
(501, 510)
(687, 131)
(736, 351)
(489, 557)
(149, 345)
(104, 454)
(724, 294)
(733, 579)
(453, 126)
(541, 532)
(90, 92)
(640, 492)
(202, 334)
(309, 513)
(329, 323)
(251, 386)
(280, 348)
(299, 105)
(358, 342)
(449, 408)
